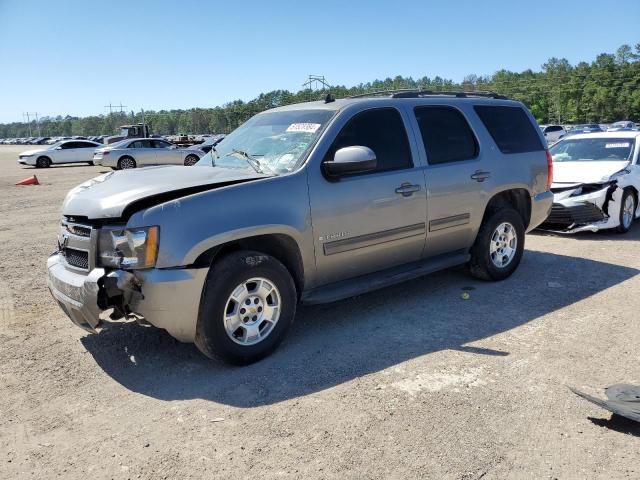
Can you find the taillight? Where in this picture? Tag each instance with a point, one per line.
(549, 170)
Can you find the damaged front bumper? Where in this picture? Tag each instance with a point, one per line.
(165, 298)
(581, 208)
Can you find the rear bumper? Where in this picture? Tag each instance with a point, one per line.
(540, 208)
(166, 298)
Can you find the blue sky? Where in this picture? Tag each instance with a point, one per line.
(74, 57)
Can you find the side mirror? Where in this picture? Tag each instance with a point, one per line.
(350, 160)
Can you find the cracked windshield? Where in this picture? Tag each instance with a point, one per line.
(272, 143)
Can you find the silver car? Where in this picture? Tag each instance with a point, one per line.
(307, 203)
(141, 152)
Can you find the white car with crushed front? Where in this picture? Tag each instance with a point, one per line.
(596, 180)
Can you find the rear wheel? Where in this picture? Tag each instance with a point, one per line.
(191, 160)
(248, 303)
(43, 162)
(628, 205)
(126, 162)
(499, 245)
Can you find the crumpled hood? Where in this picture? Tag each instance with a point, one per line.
(586, 172)
(107, 195)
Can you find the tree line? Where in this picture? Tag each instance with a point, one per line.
(603, 91)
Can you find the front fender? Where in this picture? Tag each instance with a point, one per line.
(192, 224)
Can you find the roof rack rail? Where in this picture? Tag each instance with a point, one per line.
(412, 93)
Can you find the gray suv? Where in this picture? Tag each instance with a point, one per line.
(306, 203)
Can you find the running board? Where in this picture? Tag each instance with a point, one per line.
(385, 278)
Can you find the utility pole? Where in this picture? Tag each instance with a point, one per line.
(314, 80)
(28, 116)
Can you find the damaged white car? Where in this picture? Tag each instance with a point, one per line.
(596, 180)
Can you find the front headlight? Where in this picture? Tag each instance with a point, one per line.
(128, 248)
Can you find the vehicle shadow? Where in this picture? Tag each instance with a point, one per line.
(56, 167)
(332, 344)
(619, 424)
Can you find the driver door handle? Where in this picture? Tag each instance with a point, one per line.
(407, 189)
(480, 176)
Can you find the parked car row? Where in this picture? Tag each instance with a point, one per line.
(553, 133)
(48, 140)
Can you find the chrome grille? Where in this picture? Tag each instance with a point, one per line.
(76, 241)
(76, 258)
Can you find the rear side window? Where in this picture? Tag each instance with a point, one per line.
(160, 144)
(510, 128)
(446, 135)
(382, 130)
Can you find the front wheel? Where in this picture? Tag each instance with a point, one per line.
(498, 248)
(248, 304)
(627, 211)
(43, 162)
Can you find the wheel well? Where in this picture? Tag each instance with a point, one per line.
(518, 198)
(279, 246)
(43, 156)
(634, 190)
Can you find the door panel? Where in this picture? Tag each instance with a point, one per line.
(371, 221)
(456, 178)
(362, 225)
(85, 152)
(165, 154)
(68, 153)
(143, 152)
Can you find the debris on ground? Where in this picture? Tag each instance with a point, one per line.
(623, 400)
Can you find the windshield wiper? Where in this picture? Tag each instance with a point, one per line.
(251, 160)
(217, 155)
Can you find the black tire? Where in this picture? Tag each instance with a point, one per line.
(43, 162)
(91, 163)
(481, 264)
(622, 228)
(191, 160)
(126, 162)
(225, 275)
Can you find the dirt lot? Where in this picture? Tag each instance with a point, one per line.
(408, 382)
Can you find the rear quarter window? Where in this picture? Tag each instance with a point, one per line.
(510, 128)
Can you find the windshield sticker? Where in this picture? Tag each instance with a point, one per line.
(617, 145)
(303, 127)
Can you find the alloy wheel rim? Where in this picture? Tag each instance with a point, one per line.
(503, 245)
(126, 163)
(252, 311)
(191, 160)
(627, 211)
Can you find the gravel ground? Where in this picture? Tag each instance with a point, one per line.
(407, 382)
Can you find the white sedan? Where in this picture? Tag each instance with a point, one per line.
(596, 182)
(67, 151)
(140, 152)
